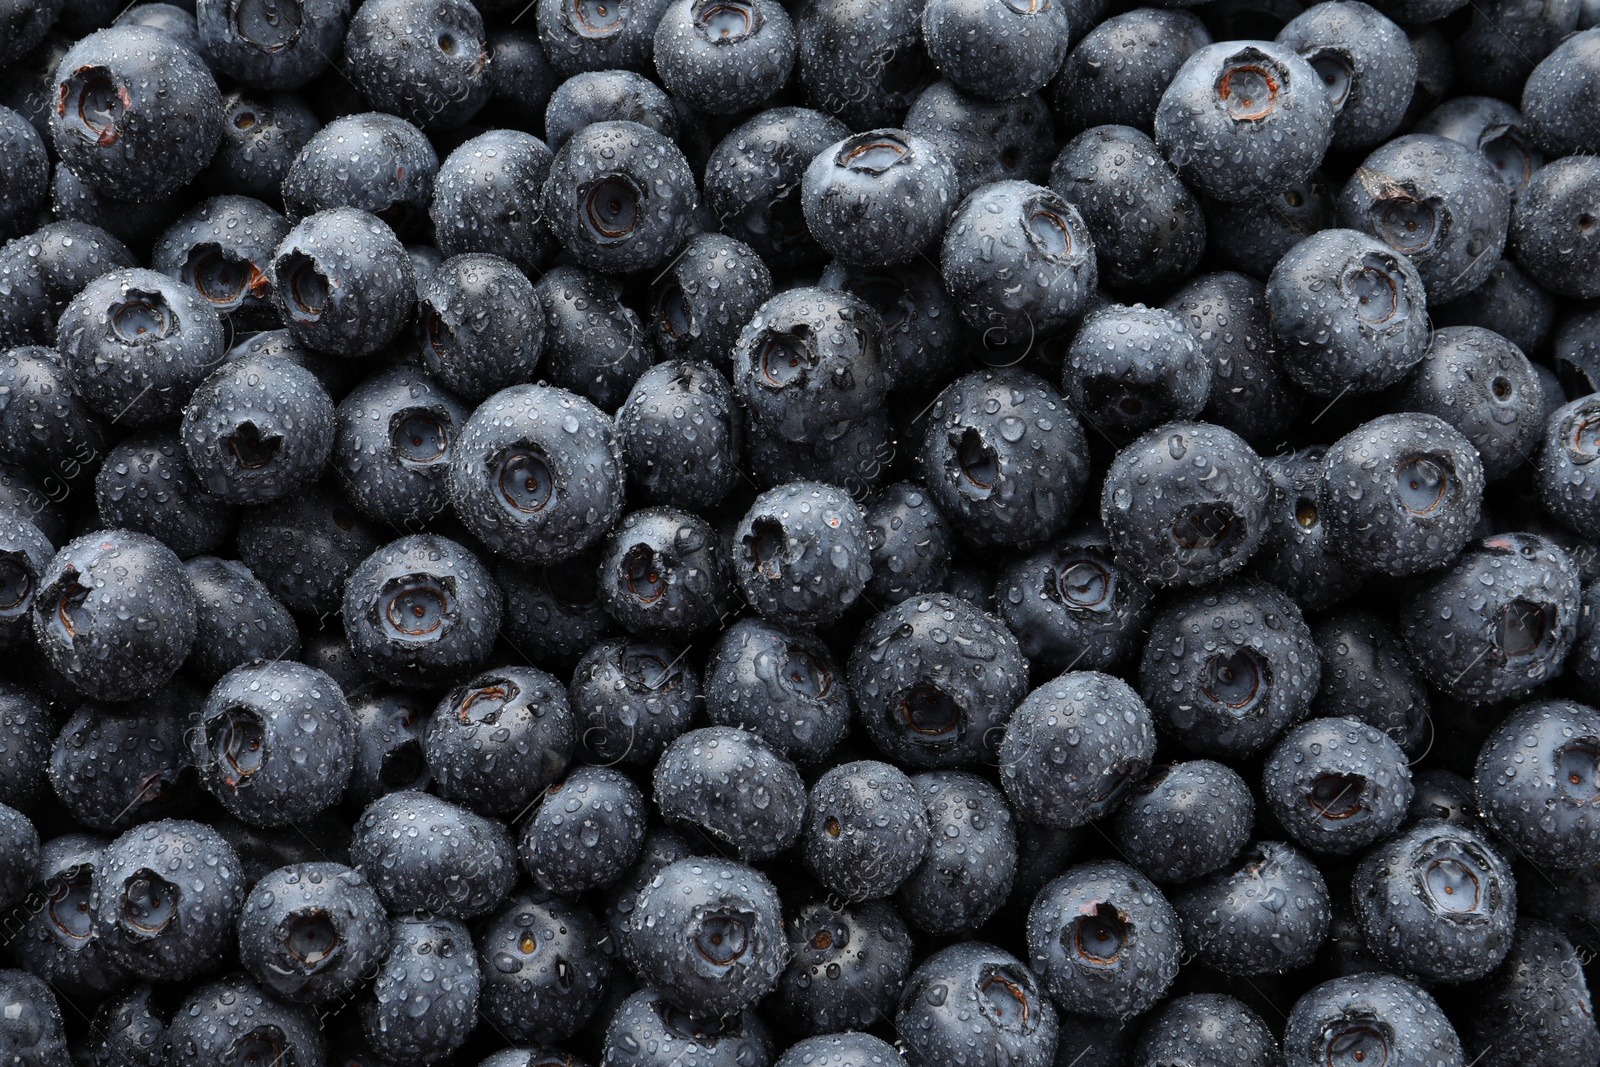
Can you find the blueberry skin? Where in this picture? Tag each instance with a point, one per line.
(1004, 457)
(879, 198)
(866, 830)
(424, 1002)
(235, 1017)
(848, 1049)
(724, 62)
(115, 615)
(1495, 128)
(800, 554)
(25, 555)
(1436, 902)
(919, 331)
(647, 1031)
(309, 932)
(394, 180)
(1055, 779)
(21, 842)
(236, 620)
(1505, 39)
(1366, 64)
(1104, 170)
(864, 63)
(543, 967)
(552, 613)
(1484, 386)
(258, 429)
(1297, 555)
(578, 38)
(1350, 314)
(1576, 349)
(972, 855)
(424, 854)
(1537, 1009)
(975, 1005)
(780, 682)
(1227, 142)
(222, 247)
(26, 26)
(986, 140)
(1121, 67)
(421, 610)
(631, 699)
(1185, 820)
(735, 787)
(34, 1036)
(427, 64)
(146, 114)
(618, 900)
(1018, 260)
(250, 44)
(1205, 1030)
(531, 489)
(1133, 368)
(393, 436)
(1401, 494)
(26, 730)
(26, 172)
(666, 463)
(847, 965)
(586, 832)
(112, 770)
(389, 756)
(605, 96)
(486, 199)
(1583, 662)
(1550, 228)
(479, 325)
(1385, 1018)
(1253, 235)
(997, 52)
(619, 197)
(664, 574)
(1268, 914)
(304, 547)
(808, 364)
(1558, 97)
(911, 543)
(919, 693)
(705, 297)
(54, 938)
(1085, 1041)
(1337, 785)
(1568, 486)
(1509, 303)
(1499, 622)
(1070, 605)
(180, 878)
(262, 134)
(45, 271)
(1104, 940)
(136, 224)
(343, 283)
(1171, 522)
(708, 936)
(131, 1028)
(1367, 675)
(1525, 786)
(858, 460)
(496, 742)
(137, 343)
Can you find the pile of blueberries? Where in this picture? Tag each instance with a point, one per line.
(843, 533)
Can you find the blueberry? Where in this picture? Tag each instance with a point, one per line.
(879, 198)
(724, 57)
(423, 854)
(1552, 225)
(1268, 914)
(1484, 386)
(258, 429)
(1555, 96)
(1205, 1030)
(1106, 168)
(222, 248)
(393, 435)
(1337, 785)
(552, 613)
(164, 899)
(708, 935)
(607, 96)
(47, 269)
(1019, 262)
(1495, 128)
(394, 180)
(665, 462)
(1584, 660)
(1366, 66)
(631, 699)
(262, 135)
(1534, 776)
(1577, 357)
(911, 541)
(27, 174)
(426, 63)
(1104, 940)
(1296, 554)
(25, 555)
(976, 1005)
(1185, 504)
(704, 298)
(112, 770)
(618, 900)
(486, 199)
(918, 326)
(800, 554)
(304, 548)
(26, 729)
(271, 47)
(115, 614)
(1070, 605)
(137, 343)
(781, 683)
(543, 968)
(494, 743)
(664, 574)
(137, 224)
(1378, 1017)
(234, 1019)
(1121, 67)
(1130, 369)
(1568, 486)
(1244, 119)
(33, 1035)
(343, 283)
(1537, 1008)
(735, 787)
(53, 937)
(986, 140)
(858, 460)
(581, 35)
(1506, 38)
(848, 1049)
(1400, 494)
(1086, 1041)
(20, 839)
(648, 1031)
(537, 474)
(864, 64)
(1253, 235)
(916, 680)
(847, 965)
(144, 117)
(997, 51)
(521, 78)
(130, 1029)
(388, 754)
(425, 998)
(586, 832)
(866, 830)
(1367, 675)
(421, 610)
(310, 932)
(972, 855)
(26, 25)
(1185, 820)
(619, 196)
